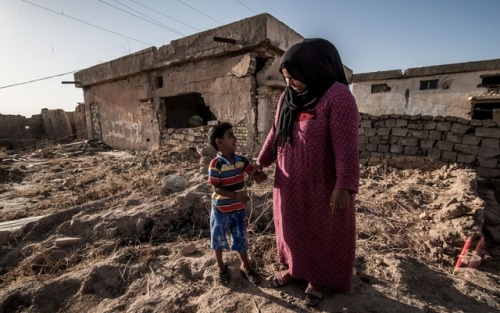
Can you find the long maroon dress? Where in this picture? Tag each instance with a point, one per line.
(317, 245)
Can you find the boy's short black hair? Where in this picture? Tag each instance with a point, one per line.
(218, 131)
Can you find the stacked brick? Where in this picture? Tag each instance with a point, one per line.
(450, 139)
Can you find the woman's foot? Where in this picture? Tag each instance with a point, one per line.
(312, 295)
(280, 279)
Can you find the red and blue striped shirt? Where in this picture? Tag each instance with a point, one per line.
(230, 176)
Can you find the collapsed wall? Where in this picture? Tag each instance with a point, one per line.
(17, 132)
(449, 139)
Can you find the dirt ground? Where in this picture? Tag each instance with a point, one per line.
(118, 231)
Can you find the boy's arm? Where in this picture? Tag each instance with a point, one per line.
(238, 196)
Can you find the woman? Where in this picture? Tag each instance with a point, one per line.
(314, 140)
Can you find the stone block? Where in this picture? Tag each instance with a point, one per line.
(452, 137)
(427, 144)
(466, 149)
(430, 125)
(396, 149)
(410, 150)
(465, 158)
(450, 118)
(363, 139)
(408, 141)
(488, 152)
(490, 143)
(488, 132)
(449, 156)
(421, 134)
(445, 145)
(401, 123)
(361, 147)
(384, 131)
(383, 148)
(361, 131)
(375, 140)
(364, 155)
(434, 153)
(476, 123)
(378, 124)
(460, 129)
(390, 123)
(371, 147)
(471, 140)
(427, 117)
(443, 126)
(414, 126)
(435, 135)
(462, 120)
(370, 131)
(488, 172)
(399, 132)
(488, 162)
(489, 123)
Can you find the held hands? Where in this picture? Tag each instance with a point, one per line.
(258, 176)
(339, 200)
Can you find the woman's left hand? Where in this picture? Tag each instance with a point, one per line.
(339, 200)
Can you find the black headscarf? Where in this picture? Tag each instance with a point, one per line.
(317, 64)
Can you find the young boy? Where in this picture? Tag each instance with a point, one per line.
(226, 175)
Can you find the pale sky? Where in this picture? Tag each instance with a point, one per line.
(45, 38)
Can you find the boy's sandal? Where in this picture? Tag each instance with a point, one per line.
(312, 297)
(224, 277)
(279, 280)
(251, 275)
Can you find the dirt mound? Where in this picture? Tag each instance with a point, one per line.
(128, 232)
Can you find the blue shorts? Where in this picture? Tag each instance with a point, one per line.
(235, 223)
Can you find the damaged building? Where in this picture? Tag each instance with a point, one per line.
(172, 94)
(466, 90)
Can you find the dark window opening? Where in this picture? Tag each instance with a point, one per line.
(378, 88)
(484, 111)
(429, 84)
(159, 82)
(186, 111)
(261, 63)
(490, 81)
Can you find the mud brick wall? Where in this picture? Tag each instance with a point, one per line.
(450, 139)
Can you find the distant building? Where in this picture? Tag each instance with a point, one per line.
(161, 96)
(466, 90)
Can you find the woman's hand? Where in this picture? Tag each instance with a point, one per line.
(339, 200)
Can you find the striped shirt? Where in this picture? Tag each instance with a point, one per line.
(230, 176)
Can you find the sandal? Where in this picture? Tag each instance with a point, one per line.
(251, 275)
(224, 277)
(313, 298)
(279, 280)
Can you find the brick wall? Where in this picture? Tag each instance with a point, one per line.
(449, 139)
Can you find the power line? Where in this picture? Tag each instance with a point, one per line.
(35, 80)
(246, 6)
(174, 19)
(200, 12)
(149, 21)
(87, 23)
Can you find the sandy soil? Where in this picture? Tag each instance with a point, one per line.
(128, 232)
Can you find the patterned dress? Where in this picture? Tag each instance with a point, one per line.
(317, 245)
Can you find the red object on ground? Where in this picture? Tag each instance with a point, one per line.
(463, 253)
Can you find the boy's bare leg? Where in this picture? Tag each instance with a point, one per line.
(220, 262)
(245, 264)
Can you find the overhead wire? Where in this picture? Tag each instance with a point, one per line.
(200, 12)
(152, 21)
(247, 6)
(174, 19)
(36, 80)
(87, 23)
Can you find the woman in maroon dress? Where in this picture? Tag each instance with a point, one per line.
(314, 141)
